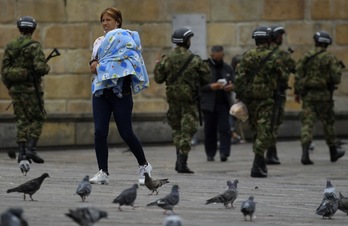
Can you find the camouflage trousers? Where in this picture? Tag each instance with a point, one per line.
(29, 118)
(322, 110)
(279, 120)
(183, 119)
(260, 115)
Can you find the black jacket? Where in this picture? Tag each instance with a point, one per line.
(208, 96)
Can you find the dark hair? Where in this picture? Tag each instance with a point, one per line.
(114, 13)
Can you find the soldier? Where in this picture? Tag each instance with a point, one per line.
(22, 69)
(255, 85)
(184, 74)
(317, 74)
(276, 38)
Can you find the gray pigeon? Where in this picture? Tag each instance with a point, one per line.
(153, 184)
(24, 166)
(172, 220)
(248, 208)
(86, 216)
(13, 217)
(227, 196)
(29, 187)
(328, 206)
(343, 203)
(168, 202)
(84, 188)
(127, 197)
(329, 188)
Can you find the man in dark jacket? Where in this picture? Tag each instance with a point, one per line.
(216, 101)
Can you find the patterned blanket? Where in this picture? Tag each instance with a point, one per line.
(119, 55)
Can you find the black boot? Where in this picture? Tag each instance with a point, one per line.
(336, 153)
(177, 159)
(182, 166)
(11, 154)
(21, 152)
(31, 151)
(305, 155)
(256, 170)
(271, 156)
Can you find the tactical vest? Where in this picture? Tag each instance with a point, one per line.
(181, 87)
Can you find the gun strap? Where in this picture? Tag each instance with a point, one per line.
(312, 57)
(183, 68)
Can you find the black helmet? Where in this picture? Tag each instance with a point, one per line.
(261, 32)
(181, 35)
(276, 30)
(322, 37)
(26, 22)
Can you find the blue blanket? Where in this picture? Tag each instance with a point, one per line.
(119, 56)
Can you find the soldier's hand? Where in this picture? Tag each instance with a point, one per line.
(93, 67)
(216, 86)
(228, 87)
(297, 99)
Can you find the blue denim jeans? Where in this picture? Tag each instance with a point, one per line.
(121, 108)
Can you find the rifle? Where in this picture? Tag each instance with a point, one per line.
(197, 98)
(55, 52)
(278, 96)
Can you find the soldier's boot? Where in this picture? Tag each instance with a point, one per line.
(264, 166)
(21, 152)
(182, 166)
(11, 154)
(336, 153)
(177, 159)
(305, 155)
(256, 170)
(271, 156)
(31, 151)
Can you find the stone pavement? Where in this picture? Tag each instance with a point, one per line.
(289, 196)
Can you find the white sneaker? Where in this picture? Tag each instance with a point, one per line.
(100, 178)
(142, 170)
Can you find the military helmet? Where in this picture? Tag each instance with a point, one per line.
(261, 32)
(181, 35)
(276, 30)
(26, 22)
(322, 37)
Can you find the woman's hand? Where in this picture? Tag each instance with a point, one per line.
(93, 67)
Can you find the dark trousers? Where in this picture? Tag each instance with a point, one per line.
(217, 122)
(121, 108)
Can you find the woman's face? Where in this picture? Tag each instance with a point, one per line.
(108, 23)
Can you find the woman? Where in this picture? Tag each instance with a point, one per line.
(116, 60)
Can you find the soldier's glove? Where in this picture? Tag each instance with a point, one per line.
(297, 98)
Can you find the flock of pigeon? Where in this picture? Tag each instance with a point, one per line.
(87, 216)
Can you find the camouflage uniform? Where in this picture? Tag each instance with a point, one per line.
(290, 66)
(182, 114)
(313, 82)
(255, 86)
(18, 70)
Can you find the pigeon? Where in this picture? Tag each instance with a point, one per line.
(172, 220)
(86, 216)
(343, 203)
(328, 206)
(127, 197)
(29, 187)
(168, 202)
(13, 217)
(153, 184)
(24, 166)
(84, 188)
(329, 188)
(227, 196)
(248, 207)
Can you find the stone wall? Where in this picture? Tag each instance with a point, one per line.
(73, 25)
